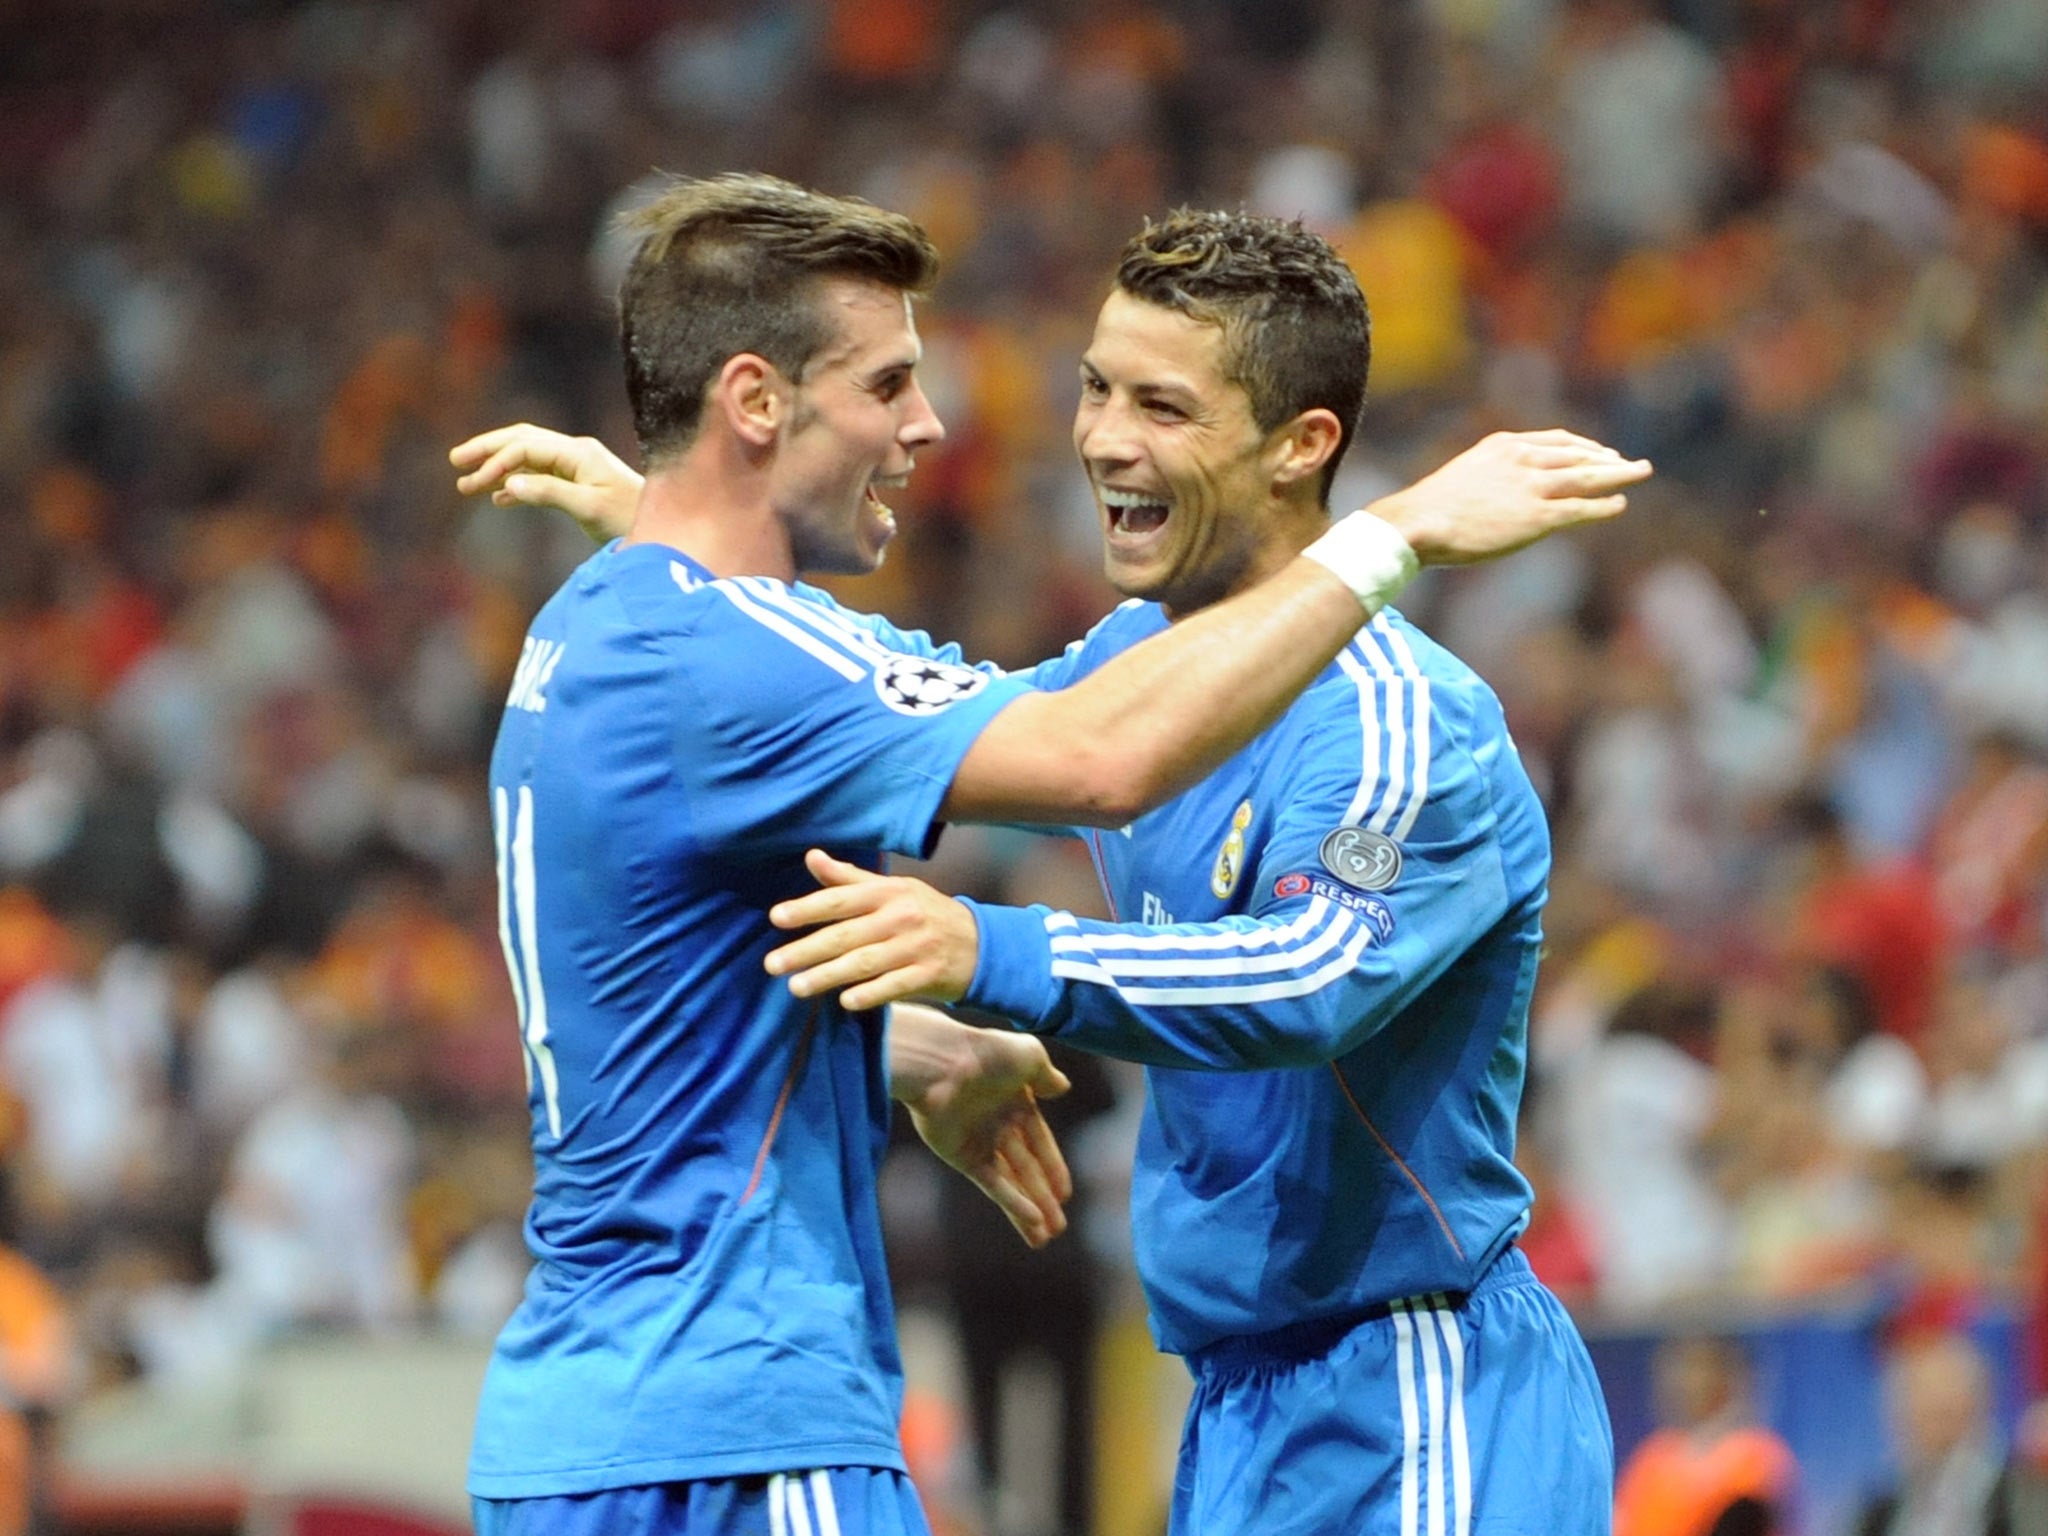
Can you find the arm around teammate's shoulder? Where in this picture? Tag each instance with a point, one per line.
(1164, 714)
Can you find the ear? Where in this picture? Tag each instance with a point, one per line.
(752, 396)
(1297, 450)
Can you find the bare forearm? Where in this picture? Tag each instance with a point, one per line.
(1162, 716)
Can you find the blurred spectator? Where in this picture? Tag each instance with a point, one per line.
(1711, 1470)
(1954, 1477)
(1639, 1103)
(1642, 128)
(1877, 921)
(1804, 1215)
(1558, 1242)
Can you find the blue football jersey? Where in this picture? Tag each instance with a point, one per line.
(1324, 955)
(708, 1296)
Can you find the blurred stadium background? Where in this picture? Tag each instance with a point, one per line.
(261, 263)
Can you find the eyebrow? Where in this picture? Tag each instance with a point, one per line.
(897, 364)
(1174, 387)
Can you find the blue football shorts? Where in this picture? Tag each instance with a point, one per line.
(1438, 1416)
(834, 1501)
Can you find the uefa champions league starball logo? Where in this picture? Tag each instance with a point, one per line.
(912, 685)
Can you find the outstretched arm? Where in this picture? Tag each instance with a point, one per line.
(973, 1095)
(1163, 715)
(1334, 940)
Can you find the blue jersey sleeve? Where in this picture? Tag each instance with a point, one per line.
(821, 730)
(1118, 630)
(1382, 867)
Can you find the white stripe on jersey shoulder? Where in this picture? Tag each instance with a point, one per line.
(753, 594)
(795, 634)
(1386, 656)
(1369, 775)
(1394, 722)
(1396, 638)
(828, 622)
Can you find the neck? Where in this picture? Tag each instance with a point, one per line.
(1289, 529)
(712, 503)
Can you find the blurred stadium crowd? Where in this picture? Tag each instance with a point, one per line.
(262, 263)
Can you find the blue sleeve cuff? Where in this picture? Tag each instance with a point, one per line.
(1013, 972)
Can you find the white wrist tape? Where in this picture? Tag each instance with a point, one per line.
(1369, 556)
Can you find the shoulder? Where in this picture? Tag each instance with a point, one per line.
(756, 624)
(1127, 624)
(1117, 631)
(1392, 646)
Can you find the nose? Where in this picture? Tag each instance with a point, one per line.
(1102, 434)
(921, 425)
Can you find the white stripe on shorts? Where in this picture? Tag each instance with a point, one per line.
(1432, 1327)
(799, 1517)
(828, 1512)
(1433, 1384)
(778, 1523)
(1461, 1446)
(1411, 1427)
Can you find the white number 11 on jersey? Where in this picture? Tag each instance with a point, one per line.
(518, 931)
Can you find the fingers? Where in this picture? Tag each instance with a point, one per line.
(490, 457)
(1044, 1148)
(827, 943)
(827, 870)
(1034, 1178)
(484, 444)
(830, 905)
(916, 983)
(1570, 512)
(1020, 1208)
(853, 965)
(1590, 482)
(539, 491)
(1561, 456)
(1049, 1082)
(1561, 437)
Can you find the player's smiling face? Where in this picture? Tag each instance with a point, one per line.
(1179, 466)
(857, 419)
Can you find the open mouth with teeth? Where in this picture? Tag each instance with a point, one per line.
(872, 496)
(1133, 512)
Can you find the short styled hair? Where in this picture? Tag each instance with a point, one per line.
(1297, 334)
(731, 264)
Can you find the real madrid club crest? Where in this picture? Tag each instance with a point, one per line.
(1230, 857)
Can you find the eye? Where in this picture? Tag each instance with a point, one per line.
(892, 384)
(1094, 386)
(1163, 411)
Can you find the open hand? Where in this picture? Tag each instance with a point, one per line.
(528, 466)
(885, 939)
(980, 1113)
(1508, 490)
